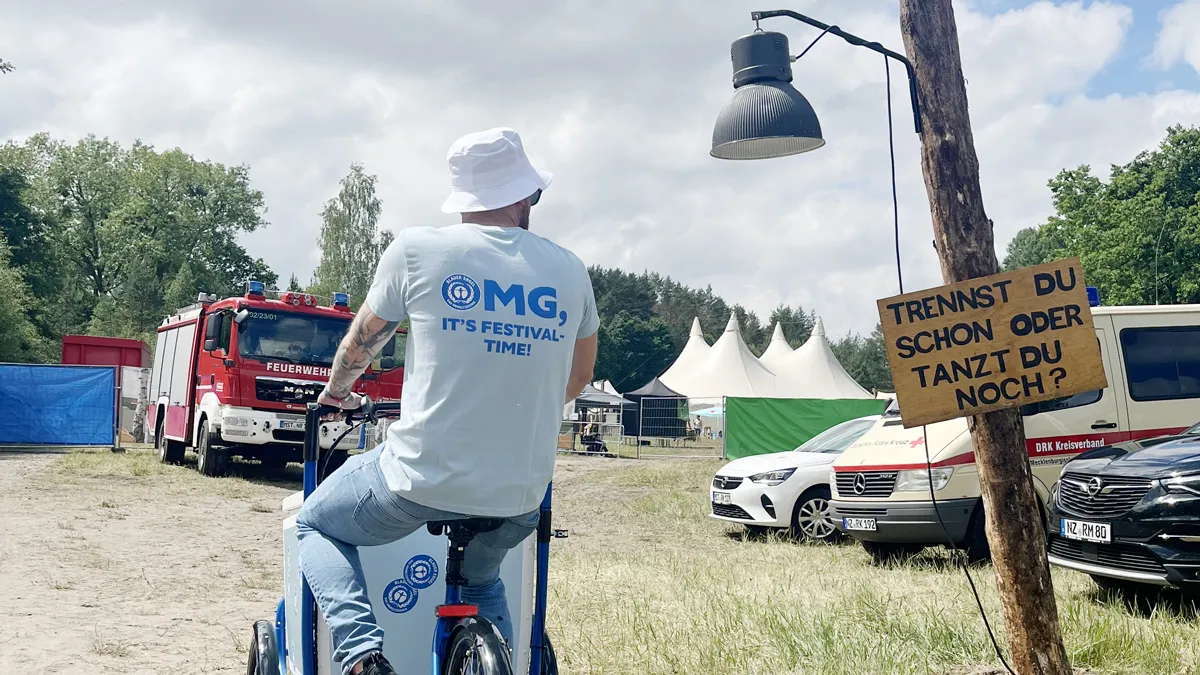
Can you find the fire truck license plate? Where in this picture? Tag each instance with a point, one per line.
(297, 425)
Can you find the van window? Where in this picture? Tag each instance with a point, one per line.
(1162, 363)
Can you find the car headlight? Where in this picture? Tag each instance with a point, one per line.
(1182, 485)
(772, 478)
(917, 480)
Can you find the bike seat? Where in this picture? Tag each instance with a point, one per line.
(468, 526)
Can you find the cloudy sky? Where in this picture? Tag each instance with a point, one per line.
(619, 104)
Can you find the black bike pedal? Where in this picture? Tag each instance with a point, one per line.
(560, 534)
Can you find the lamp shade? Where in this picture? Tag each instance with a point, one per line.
(766, 117)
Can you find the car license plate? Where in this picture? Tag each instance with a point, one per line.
(867, 524)
(297, 425)
(1100, 533)
(721, 498)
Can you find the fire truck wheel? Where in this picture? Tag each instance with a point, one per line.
(169, 451)
(210, 460)
(273, 462)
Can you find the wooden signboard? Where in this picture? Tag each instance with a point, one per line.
(991, 343)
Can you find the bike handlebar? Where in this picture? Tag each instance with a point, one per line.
(368, 411)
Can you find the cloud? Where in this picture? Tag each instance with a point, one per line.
(1179, 39)
(619, 104)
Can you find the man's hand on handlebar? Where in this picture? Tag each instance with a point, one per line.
(352, 402)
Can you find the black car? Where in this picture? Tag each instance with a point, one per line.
(1129, 513)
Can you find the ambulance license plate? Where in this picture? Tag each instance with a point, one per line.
(863, 524)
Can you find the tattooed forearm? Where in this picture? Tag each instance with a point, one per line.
(367, 335)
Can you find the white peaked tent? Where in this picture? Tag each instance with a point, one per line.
(812, 371)
(690, 359)
(777, 352)
(606, 387)
(729, 369)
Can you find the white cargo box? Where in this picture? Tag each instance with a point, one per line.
(407, 614)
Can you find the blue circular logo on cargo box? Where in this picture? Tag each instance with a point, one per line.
(399, 597)
(460, 292)
(421, 571)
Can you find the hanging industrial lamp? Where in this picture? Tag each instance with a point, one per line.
(766, 117)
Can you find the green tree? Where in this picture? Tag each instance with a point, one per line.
(1138, 235)
(865, 359)
(294, 285)
(118, 224)
(797, 324)
(633, 351)
(350, 239)
(183, 289)
(5, 66)
(19, 339)
(1030, 246)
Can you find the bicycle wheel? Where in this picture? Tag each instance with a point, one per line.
(476, 648)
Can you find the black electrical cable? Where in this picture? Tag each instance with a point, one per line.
(333, 447)
(887, 70)
(958, 555)
(813, 43)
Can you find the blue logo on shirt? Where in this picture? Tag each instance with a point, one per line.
(421, 571)
(460, 292)
(399, 597)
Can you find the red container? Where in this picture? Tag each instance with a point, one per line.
(104, 351)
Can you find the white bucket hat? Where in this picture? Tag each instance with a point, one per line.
(489, 170)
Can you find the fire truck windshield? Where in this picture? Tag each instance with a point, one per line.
(295, 338)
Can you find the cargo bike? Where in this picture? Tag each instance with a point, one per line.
(403, 583)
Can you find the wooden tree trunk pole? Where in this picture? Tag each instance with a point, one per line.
(964, 239)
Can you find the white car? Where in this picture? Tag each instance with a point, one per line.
(786, 489)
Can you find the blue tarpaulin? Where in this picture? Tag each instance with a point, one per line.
(57, 405)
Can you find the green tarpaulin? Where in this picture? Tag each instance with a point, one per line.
(757, 426)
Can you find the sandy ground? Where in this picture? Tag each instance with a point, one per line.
(103, 570)
(119, 564)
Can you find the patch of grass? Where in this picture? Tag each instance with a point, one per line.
(108, 504)
(109, 646)
(92, 463)
(59, 584)
(259, 507)
(648, 583)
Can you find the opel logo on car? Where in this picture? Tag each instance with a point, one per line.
(1093, 487)
(860, 484)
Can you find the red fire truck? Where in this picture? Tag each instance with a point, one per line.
(231, 378)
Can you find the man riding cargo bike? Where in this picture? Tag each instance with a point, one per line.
(502, 332)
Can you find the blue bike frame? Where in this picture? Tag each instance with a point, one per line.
(308, 622)
(444, 626)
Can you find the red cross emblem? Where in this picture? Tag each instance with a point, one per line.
(917, 441)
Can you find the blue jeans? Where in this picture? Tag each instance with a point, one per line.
(354, 507)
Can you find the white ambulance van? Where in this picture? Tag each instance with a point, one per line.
(880, 486)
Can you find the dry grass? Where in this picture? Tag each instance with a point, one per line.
(648, 584)
(107, 646)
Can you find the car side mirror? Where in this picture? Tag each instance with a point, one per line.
(212, 332)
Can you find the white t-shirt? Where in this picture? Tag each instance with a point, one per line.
(493, 313)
